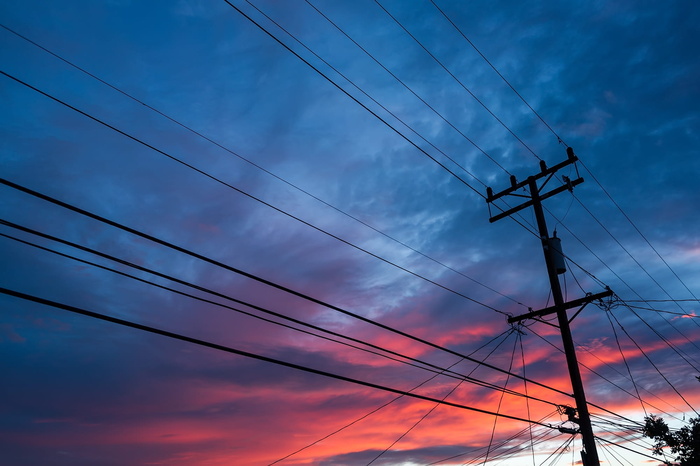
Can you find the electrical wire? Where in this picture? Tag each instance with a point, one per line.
(382, 120)
(600, 439)
(681, 314)
(638, 230)
(497, 72)
(636, 262)
(228, 349)
(624, 359)
(501, 444)
(380, 351)
(458, 80)
(370, 111)
(662, 259)
(500, 401)
(251, 276)
(400, 81)
(665, 340)
(387, 403)
(631, 289)
(259, 167)
(593, 176)
(560, 140)
(527, 402)
(650, 393)
(593, 371)
(425, 415)
(652, 363)
(250, 196)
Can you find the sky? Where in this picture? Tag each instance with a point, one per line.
(281, 206)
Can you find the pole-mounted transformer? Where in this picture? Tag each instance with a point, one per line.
(555, 254)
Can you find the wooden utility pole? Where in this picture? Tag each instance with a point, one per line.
(555, 266)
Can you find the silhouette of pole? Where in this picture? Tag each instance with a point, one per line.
(590, 457)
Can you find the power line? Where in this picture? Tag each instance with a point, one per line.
(681, 314)
(254, 277)
(621, 279)
(259, 167)
(500, 400)
(368, 109)
(227, 349)
(385, 404)
(668, 343)
(458, 81)
(626, 250)
(442, 117)
(582, 163)
(598, 374)
(652, 363)
(431, 367)
(504, 442)
(392, 355)
(560, 140)
(600, 439)
(497, 72)
(240, 191)
(447, 371)
(624, 359)
(354, 98)
(450, 392)
(527, 402)
(638, 231)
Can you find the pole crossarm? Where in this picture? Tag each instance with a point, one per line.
(572, 158)
(532, 182)
(565, 187)
(554, 309)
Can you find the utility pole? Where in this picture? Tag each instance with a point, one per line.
(555, 266)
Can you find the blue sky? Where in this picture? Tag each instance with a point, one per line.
(348, 163)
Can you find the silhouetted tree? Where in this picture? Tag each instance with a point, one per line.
(684, 442)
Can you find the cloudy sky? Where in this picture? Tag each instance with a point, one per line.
(289, 198)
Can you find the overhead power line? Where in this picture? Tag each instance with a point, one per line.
(257, 278)
(521, 222)
(375, 349)
(403, 136)
(653, 364)
(250, 196)
(497, 72)
(263, 169)
(437, 60)
(400, 81)
(228, 349)
(450, 392)
(364, 416)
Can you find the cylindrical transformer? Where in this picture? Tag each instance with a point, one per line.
(556, 254)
